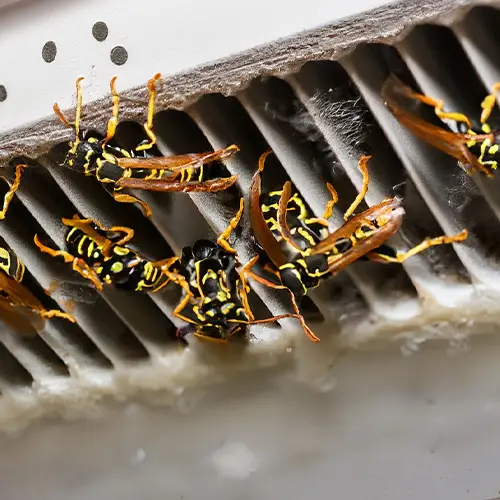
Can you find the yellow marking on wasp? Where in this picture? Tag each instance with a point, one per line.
(222, 297)
(121, 251)
(117, 267)
(315, 274)
(98, 270)
(226, 308)
(222, 282)
(209, 275)
(149, 270)
(90, 248)
(486, 128)
(305, 234)
(82, 241)
(96, 255)
(200, 316)
(5, 260)
(200, 175)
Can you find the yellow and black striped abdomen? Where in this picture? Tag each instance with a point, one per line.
(10, 264)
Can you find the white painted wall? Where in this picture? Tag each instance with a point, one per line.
(160, 36)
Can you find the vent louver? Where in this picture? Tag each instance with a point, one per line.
(318, 121)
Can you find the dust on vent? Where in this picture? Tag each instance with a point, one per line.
(318, 121)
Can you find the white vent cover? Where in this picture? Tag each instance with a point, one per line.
(318, 118)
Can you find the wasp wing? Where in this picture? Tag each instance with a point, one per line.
(179, 162)
(453, 144)
(20, 319)
(260, 229)
(385, 209)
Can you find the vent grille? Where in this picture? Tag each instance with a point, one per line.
(318, 121)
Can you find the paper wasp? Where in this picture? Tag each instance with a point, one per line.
(100, 255)
(19, 308)
(215, 292)
(318, 257)
(474, 145)
(118, 169)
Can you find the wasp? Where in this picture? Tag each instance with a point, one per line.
(214, 299)
(101, 256)
(317, 257)
(118, 169)
(474, 145)
(19, 308)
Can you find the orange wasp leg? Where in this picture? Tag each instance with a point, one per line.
(366, 179)
(331, 203)
(10, 193)
(113, 121)
(489, 103)
(438, 106)
(148, 126)
(222, 239)
(79, 265)
(128, 198)
(424, 245)
(298, 316)
(78, 115)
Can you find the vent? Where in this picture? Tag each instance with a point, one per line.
(318, 120)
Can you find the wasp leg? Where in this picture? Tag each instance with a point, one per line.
(222, 239)
(148, 126)
(178, 279)
(78, 114)
(489, 103)
(128, 198)
(366, 179)
(424, 245)
(79, 265)
(438, 106)
(113, 121)
(54, 313)
(310, 334)
(245, 289)
(10, 193)
(127, 232)
(331, 203)
(177, 312)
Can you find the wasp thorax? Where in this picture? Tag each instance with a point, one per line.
(83, 156)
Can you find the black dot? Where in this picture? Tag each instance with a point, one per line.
(100, 31)
(3, 93)
(49, 51)
(119, 55)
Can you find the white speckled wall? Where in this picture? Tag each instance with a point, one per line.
(159, 36)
